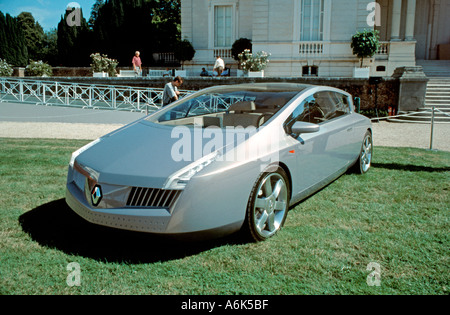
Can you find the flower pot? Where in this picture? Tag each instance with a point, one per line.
(361, 72)
(256, 74)
(100, 74)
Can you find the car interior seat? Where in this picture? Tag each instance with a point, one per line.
(243, 114)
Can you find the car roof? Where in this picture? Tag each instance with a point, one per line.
(269, 86)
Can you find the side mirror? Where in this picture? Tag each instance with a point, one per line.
(301, 127)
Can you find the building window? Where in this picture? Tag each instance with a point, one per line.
(312, 20)
(223, 26)
(310, 71)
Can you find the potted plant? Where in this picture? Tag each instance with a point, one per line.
(238, 47)
(365, 45)
(102, 66)
(254, 65)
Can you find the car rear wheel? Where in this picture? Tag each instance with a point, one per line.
(364, 162)
(268, 205)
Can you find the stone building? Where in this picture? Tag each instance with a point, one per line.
(312, 37)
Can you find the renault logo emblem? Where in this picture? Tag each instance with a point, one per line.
(96, 195)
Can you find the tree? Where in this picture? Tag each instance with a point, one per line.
(122, 27)
(74, 42)
(365, 44)
(239, 46)
(94, 12)
(50, 47)
(13, 46)
(184, 51)
(34, 35)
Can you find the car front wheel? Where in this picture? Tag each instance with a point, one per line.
(364, 162)
(268, 204)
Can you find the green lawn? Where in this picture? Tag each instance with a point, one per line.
(396, 216)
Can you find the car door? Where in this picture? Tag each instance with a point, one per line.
(335, 144)
(323, 155)
(308, 170)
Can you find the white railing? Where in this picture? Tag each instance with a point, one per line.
(311, 48)
(168, 58)
(318, 48)
(82, 95)
(223, 52)
(383, 49)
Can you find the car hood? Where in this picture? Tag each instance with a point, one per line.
(137, 155)
(145, 154)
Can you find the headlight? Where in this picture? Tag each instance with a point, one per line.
(81, 150)
(180, 179)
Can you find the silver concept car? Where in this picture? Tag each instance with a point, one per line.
(223, 159)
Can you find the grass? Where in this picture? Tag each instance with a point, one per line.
(397, 216)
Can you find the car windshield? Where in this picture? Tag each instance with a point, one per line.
(228, 106)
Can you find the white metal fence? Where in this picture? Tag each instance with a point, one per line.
(82, 95)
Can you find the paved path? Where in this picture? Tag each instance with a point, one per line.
(17, 112)
(31, 121)
(38, 121)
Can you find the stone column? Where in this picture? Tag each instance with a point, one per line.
(396, 18)
(410, 20)
(413, 88)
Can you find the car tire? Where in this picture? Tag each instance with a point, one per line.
(364, 161)
(268, 205)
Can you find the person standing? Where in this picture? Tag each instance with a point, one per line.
(171, 93)
(219, 66)
(137, 63)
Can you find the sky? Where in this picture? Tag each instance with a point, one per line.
(47, 12)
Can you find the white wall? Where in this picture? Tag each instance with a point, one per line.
(274, 26)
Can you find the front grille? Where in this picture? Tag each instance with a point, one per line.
(152, 198)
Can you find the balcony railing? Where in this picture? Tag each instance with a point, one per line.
(318, 48)
(311, 48)
(223, 52)
(383, 49)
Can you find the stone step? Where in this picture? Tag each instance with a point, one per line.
(436, 86)
(437, 101)
(437, 95)
(440, 79)
(438, 92)
(439, 107)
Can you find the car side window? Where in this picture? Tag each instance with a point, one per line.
(342, 104)
(332, 105)
(319, 108)
(299, 114)
(326, 105)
